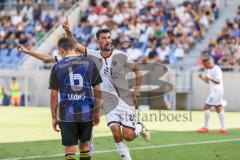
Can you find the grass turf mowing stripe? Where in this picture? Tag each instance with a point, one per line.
(136, 148)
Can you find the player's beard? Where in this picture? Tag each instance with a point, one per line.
(106, 48)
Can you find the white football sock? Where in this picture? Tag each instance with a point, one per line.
(138, 129)
(206, 117)
(222, 120)
(123, 151)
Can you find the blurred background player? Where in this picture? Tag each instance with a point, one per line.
(215, 81)
(15, 92)
(74, 77)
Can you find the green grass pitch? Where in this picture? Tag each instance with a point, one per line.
(26, 133)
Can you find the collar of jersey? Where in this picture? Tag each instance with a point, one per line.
(71, 55)
(106, 56)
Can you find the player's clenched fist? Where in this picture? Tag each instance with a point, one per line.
(23, 49)
(55, 124)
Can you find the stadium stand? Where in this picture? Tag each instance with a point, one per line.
(173, 31)
(26, 23)
(226, 48)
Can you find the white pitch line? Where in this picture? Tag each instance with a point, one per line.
(134, 148)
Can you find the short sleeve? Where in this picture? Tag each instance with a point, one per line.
(58, 58)
(96, 78)
(129, 63)
(53, 80)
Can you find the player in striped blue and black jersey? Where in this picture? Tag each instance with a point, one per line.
(76, 79)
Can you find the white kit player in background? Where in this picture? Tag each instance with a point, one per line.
(215, 81)
(113, 65)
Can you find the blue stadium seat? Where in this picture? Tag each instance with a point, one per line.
(5, 54)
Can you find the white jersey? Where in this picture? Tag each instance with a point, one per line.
(122, 113)
(105, 71)
(215, 97)
(215, 73)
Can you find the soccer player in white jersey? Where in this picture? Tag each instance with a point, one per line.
(112, 65)
(215, 81)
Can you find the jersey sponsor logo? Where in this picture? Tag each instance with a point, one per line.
(76, 97)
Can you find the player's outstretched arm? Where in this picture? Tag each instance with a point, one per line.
(81, 48)
(43, 57)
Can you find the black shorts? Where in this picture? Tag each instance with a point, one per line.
(71, 132)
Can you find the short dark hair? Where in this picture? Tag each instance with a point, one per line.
(105, 30)
(206, 58)
(66, 43)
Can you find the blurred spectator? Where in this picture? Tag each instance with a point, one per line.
(226, 49)
(1, 95)
(25, 26)
(2, 4)
(37, 12)
(17, 18)
(151, 55)
(172, 28)
(15, 92)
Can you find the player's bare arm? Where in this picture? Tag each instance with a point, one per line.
(43, 57)
(203, 77)
(97, 98)
(78, 46)
(54, 106)
(136, 93)
(213, 80)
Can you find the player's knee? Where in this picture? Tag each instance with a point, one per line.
(129, 136)
(206, 107)
(218, 109)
